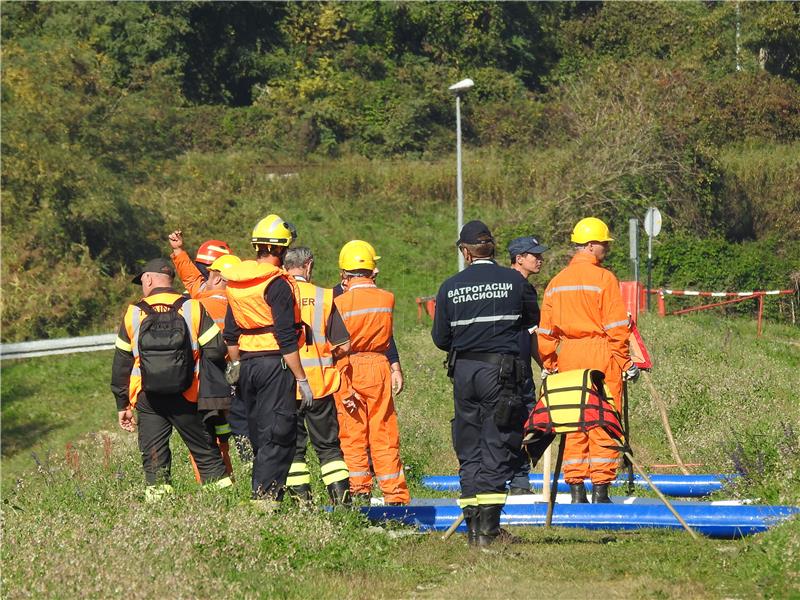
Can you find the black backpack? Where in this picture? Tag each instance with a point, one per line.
(165, 350)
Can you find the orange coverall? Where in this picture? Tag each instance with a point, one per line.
(584, 325)
(216, 304)
(372, 426)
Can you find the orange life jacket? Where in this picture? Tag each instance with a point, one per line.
(316, 304)
(133, 320)
(367, 312)
(247, 284)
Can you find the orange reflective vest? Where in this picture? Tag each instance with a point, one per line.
(316, 354)
(133, 320)
(247, 284)
(367, 313)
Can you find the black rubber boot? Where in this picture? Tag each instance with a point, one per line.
(518, 491)
(339, 491)
(600, 494)
(578, 493)
(488, 523)
(471, 516)
(300, 492)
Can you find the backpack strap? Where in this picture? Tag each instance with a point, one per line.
(145, 307)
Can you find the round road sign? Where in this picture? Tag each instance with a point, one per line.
(652, 221)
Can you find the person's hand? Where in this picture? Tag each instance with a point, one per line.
(176, 240)
(306, 395)
(632, 374)
(350, 403)
(397, 382)
(546, 372)
(232, 372)
(125, 419)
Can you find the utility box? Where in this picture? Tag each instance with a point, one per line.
(633, 295)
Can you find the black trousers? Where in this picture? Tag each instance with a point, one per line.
(157, 415)
(523, 467)
(237, 415)
(322, 426)
(268, 390)
(487, 455)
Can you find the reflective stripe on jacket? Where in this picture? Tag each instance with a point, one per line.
(367, 312)
(134, 317)
(247, 284)
(316, 304)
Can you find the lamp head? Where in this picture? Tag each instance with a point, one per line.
(461, 86)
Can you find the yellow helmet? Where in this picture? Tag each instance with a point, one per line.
(356, 255)
(224, 263)
(274, 231)
(591, 229)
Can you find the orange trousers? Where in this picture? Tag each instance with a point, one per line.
(370, 430)
(585, 455)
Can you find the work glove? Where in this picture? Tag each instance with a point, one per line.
(632, 374)
(232, 372)
(306, 395)
(546, 372)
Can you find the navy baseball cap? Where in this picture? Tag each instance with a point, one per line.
(475, 232)
(157, 265)
(526, 244)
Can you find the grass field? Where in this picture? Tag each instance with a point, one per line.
(81, 528)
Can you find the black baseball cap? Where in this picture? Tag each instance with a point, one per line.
(157, 265)
(472, 233)
(525, 245)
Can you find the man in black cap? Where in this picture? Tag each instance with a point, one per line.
(480, 313)
(160, 345)
(525, 254)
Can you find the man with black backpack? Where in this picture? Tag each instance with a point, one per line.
(169, 352)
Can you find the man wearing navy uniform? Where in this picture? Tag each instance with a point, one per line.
(525, 254)
(480, 314)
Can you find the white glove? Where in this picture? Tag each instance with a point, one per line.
(632, 374)
(232, 372)
(306, 395)
(546, 372)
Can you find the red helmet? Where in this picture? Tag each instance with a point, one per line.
(211, 250)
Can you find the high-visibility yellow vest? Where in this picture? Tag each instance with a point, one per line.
(316, 355)
(133, 320)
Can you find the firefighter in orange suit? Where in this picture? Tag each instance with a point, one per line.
(584, 325)
(160, 409)
(263, 332)
(325, 337)
(209, 289)
(367, 419)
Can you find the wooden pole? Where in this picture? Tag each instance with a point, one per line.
(554, 489)
(661, 496)
(452, 529)
(662, 409)
(547, 466)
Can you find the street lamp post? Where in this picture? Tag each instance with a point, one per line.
(458, 89)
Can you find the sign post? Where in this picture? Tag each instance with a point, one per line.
(652, 225)
(633, 238)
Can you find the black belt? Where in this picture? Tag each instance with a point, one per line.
(487, 357)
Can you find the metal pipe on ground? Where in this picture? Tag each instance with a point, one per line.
(684, 486)
(714, 521)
